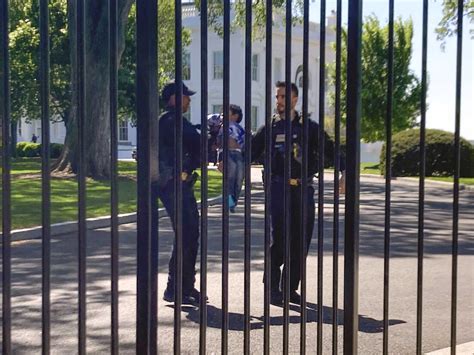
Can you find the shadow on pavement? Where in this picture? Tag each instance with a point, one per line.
(27, 263)
(236, 320)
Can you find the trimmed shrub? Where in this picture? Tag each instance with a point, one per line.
(439, 154)
(31, 150)
(55, 150)
(20, 146)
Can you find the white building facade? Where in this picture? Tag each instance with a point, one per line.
(192, 76)
(127, 134)
(192, 67)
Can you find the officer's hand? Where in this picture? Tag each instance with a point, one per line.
(342, 183)
(220, 166)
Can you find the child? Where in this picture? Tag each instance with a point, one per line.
(236, 167)
(214, 124)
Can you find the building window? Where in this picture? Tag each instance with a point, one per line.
(277, 70)
(187, 66)
(218, 65)
(217, 108)
(254, 118)
(255, 67)
(123, 130)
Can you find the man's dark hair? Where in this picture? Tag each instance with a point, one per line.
(282, 84)
(236, 110)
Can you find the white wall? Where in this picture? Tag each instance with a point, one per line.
(25, 132)
(237, 65)
(58, 135)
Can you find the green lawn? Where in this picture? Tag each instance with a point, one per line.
(26, 194)
(374, 169)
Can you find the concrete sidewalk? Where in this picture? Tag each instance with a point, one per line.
(26, 278)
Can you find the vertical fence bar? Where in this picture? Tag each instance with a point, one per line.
(45, 176)
(225, 185)
(304, 178)
(321, 139)
(81, 175)
(457, 159)
(113, 76)
(204, 181)
(267, 172)
(178, 168)
(351, 230)
(287, 176)
(421, 197)
(147, 111)
(248, 147)
(337, 166)
(6, 179)
(388, 178)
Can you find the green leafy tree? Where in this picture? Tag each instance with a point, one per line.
(166, 67)
(97, 78)
(407, 87)
(25, 78)
(24, 62)
(216, 9)
(447, 27)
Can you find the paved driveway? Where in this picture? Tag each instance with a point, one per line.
(26, 277)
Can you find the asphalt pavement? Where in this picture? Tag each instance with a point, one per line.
(26, 281)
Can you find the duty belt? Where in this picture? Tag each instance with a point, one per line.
(291, 182)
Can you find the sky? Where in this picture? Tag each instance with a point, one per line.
(441, 65)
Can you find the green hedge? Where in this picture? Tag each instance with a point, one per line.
(439, 154)
(55, 150)
(20, 147)
(30, 150)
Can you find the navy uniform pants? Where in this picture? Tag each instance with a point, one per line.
(190, 230)
(277, 248)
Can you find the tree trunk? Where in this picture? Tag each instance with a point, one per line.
(97, 120)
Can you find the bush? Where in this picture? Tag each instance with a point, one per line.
(439, 154)
(20, 149)
(55, 150)
(30, 150)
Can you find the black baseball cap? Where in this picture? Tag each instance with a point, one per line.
(171, 88)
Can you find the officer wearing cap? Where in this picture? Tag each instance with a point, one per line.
(166, 185)
(277, 249)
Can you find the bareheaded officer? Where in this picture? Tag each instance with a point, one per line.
(165, 188)
(277, 182)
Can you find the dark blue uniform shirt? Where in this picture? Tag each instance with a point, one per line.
(278, 147)
(191, 143)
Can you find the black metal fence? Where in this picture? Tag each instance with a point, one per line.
(147, 239)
